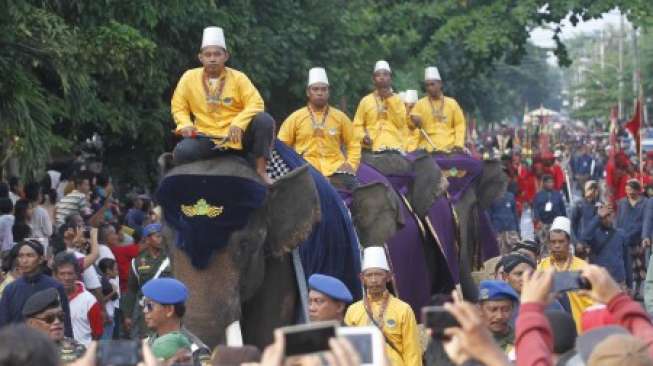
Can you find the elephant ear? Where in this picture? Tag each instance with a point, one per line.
(426, 187)
(165, 163)
(376, 213)
(493, 183)
(292, 209)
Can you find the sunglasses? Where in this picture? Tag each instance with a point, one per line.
(50, 318)
(148, 306)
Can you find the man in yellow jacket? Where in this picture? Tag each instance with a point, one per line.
(380, 120)
(217, 108)
(440, 117)
(379, 308)
(320, 132)
(562, 260)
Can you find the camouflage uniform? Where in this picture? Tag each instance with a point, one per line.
(70, 350)
(146, 267)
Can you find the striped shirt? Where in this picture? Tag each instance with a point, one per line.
(73, 203)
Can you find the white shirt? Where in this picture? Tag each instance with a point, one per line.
(90, 275)
(41, 225)
(105, 252)
(112, 305)
(80, 306)
(6, 233)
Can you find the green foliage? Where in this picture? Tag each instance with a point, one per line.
(71, 68)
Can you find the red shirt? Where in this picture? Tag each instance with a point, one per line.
(124, 255)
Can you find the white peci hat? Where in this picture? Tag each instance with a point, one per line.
(317, 75)
(374, 257)
(411, 96)
(431, 73)
(561, 223)
(382, 65)
(402, 96)
(213, 36)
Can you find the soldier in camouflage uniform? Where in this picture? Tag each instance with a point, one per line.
(151, 263)
(43, 312)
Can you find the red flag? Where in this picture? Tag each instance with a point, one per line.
(634, 124)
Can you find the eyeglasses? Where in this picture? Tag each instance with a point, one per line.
(50, 318)
(148, 306)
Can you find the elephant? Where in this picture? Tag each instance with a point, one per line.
(432, 236)
(253, 277)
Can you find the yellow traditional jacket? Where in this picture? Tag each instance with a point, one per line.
(322, 146)
(383, 120)
(577, 301)
(443, 121)
(399, 326)
(237, 105)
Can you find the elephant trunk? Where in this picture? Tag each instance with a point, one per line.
(214, 296)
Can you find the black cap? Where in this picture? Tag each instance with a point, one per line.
(529, 245)
(41, 301)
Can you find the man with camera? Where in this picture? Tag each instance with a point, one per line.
(394, 318)
(43, 312)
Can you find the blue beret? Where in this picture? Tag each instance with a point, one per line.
(165, 291)
(330, 286)
(497, 290)
(151, 229)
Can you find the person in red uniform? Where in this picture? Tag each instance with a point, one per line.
(617, 174)
(555, 170)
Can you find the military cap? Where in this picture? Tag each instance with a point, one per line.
(331, 287)
(166, 291)
(41, 301)
(166, 346)
(151, 229)
(497, 290)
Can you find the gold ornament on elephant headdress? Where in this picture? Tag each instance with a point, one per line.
(454, 173)
(202, 208)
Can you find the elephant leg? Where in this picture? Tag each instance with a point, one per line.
(214, 299)
(274, 304)
(469, 244)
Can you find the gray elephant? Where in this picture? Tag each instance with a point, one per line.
(249, 275)
(432, 228)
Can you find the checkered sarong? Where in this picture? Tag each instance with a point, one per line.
(276, 167)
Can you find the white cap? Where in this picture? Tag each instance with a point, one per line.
(213, 36)
(402, 96)
(411, 96)
(561, 223)
(374, 257)
(431, 73)
(382, 65)
(557, 153)
(317, 75)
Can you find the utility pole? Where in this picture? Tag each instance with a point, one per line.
(620, 104)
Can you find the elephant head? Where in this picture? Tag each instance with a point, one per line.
(376, 213)
(252, 255)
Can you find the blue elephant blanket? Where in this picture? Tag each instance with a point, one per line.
(332, 248)
(206, 209)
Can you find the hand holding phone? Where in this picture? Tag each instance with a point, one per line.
(437, 319)
(308, 338)
(367, 342)
(569, 281)
(119, 353)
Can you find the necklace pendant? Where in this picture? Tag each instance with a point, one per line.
(318, 132)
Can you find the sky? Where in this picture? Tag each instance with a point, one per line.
(541, 36)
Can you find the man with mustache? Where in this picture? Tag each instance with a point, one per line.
(228, 111)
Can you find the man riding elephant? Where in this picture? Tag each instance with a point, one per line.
(320, 133)
(439, 119)
(227, 110)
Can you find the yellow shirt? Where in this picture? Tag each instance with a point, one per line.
(577, 301)
(399, 327)
(444, 122)
(325, 150)
(383, 120)
(238, 103)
